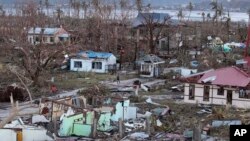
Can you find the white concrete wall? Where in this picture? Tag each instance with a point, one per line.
(87, 64)
(240, 102)
(218, 99)
(198, 94)
(111, 60)
(214, 97)
(32, 39)
(104, 63)
(35, 135)
(8, 135)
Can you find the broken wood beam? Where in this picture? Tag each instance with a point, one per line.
(120, 128)
(62, 103)
(197, 133)
(94, 128)
(148, 125)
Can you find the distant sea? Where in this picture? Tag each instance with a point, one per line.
(194, 15)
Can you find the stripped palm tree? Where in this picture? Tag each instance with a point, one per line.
(180, 15)
(190, 8)
(46, 3)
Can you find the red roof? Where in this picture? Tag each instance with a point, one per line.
(229, 76)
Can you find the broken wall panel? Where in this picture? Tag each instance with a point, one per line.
(8, 134)
(67, 124)
(124, 111)
(36, 135)
(104, 122)
(81, 130)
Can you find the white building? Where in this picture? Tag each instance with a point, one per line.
(223, 86)
(90, 61)
(47, 35)
(151, 66)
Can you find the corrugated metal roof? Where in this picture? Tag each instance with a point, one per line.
(150, 58)
(92, 54)
(229, 76)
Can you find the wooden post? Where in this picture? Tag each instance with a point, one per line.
(148, 125)
(197, 133)
(94, 128)
(120, 127)
(182, 123)
(55, 126)
(17, 105)
(12, 100)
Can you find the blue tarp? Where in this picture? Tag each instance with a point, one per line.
(92, 54)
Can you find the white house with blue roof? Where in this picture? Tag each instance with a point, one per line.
(48, 35)
(90, 61)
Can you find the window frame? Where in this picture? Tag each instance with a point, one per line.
(205, 90)
(52, 39)
(219, 91)
(243, 94)
(191, 92)
(79, 65)
(97, 65)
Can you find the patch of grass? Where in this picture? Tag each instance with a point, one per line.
(75, 80)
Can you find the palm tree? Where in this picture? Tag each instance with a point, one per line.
(228, 20)
(203, 16)
(41, 6)
(76, 6)
(47, 6)
(214, 5)
(208, 16)
(190, 8)
(2, 10)
(248, 12)
(59, 13)
(85, 8)
(180, 14)
(139, 5)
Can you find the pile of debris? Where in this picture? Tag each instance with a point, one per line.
(15, 90)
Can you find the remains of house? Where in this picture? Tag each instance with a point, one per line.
(150, 66)
(90, 61)
(220, 87)
(47, 35)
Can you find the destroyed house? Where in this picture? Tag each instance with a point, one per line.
(222, 86)
(90, 61)
(150, 66)
(37, 35)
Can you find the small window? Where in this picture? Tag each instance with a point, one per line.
(97, 65)
(52, 39)
(191, 92)
(244, 94)
(206, 93)
(37, 39)
(221, 91)
(62, 39)
(77, 64)
(163, 44)
(44, 39)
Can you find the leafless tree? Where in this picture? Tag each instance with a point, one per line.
(154, 28)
